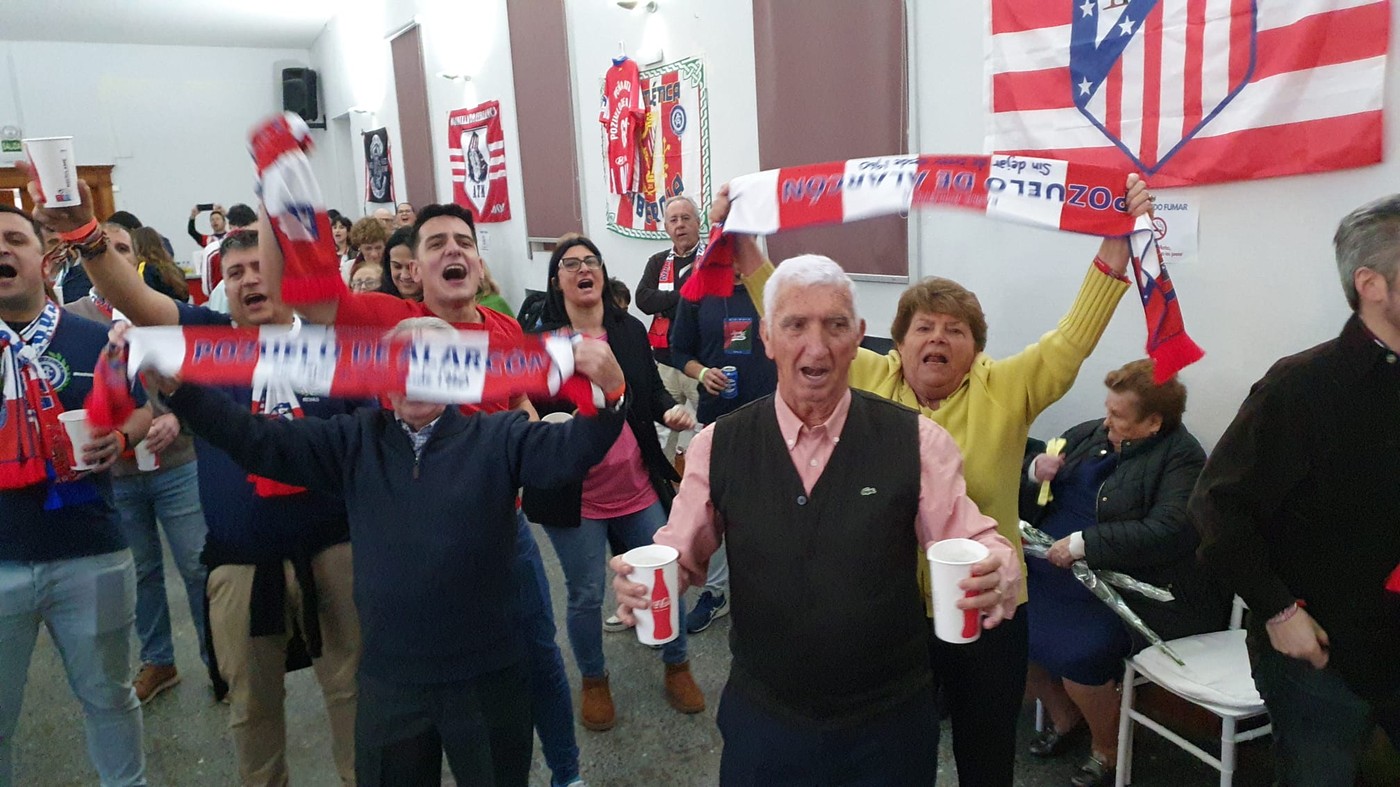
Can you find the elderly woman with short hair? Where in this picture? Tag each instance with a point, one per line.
(1119, 502)
(938, 367)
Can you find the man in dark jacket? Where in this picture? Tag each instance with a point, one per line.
(658, 294)
(1299, 511)
(431, 499)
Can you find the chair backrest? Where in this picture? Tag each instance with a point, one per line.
(1237, 611)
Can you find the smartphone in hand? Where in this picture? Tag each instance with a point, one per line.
(205, 206)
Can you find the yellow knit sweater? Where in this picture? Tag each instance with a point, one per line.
(990, 414)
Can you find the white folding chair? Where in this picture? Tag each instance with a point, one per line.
(1216, 677)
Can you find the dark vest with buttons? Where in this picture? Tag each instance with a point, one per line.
(828, 619)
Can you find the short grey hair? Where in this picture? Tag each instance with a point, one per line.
(419, 325)
(1369, 237)
(808, 270)
(683, 198)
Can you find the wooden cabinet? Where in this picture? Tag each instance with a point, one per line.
(99, 179)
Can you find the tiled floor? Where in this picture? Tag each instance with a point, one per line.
(187, 743)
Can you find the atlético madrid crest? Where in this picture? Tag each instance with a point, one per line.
(1152, 73)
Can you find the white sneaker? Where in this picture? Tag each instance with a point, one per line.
(614, 624)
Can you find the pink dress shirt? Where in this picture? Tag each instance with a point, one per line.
(945, 510)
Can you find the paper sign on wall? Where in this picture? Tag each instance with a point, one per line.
(477, 149)
(1178, 223)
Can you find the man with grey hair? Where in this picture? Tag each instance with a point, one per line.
(430, 494)
(1294, 515)
(658, 294)
(831, 680)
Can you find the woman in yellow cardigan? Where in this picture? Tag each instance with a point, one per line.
(938, 367)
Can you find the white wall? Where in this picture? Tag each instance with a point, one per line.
(172, 119)
(473, 38)
(1265, 286)
(458, 37)
(721, 31)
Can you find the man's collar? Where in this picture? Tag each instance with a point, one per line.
(688, 253)
(791, 425)
(1363, 350)
(428, 427)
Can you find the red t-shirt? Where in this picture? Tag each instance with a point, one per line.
(378, 309)
(622, 112)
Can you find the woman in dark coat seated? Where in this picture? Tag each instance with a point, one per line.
(1119, 502)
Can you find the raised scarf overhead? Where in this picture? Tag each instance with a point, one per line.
(1040, 192)
(296, 210)
(468, 368)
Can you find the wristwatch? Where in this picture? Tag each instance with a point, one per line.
(617, 406)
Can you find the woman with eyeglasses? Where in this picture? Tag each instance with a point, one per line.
(626, 496)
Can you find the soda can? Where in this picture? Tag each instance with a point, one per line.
(732, 390)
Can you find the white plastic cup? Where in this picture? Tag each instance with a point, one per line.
(557, 418)
(950, 561)
(656, 567)
(75, 422)
(146, 459)
(56, 169)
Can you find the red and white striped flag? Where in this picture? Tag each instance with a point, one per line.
(1190, 91)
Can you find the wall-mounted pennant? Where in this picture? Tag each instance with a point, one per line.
(379, 170)
(477, 149)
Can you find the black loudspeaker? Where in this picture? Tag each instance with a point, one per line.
(299, 93)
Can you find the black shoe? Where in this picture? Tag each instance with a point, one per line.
(1049, 743)
(1093, 773)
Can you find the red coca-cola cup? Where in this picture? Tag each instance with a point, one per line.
(656, 567)
(950, 561)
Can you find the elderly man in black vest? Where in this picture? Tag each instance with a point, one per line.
(824, 495)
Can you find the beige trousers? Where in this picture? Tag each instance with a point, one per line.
(254, 667)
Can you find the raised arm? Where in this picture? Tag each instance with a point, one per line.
(271, 267)
(111, 275)
(307, 452)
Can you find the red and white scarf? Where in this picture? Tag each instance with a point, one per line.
(34, 446)
(659, 336)
(1042, 192)
(468, 368)
(296, 210)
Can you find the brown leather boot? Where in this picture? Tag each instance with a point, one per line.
(596, 705)
(681, 690)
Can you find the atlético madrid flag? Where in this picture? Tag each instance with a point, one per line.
(477, 148)
(1190, 91)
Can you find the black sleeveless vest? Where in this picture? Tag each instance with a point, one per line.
(828, 619)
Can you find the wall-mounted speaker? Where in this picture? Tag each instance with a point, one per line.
(299, 93)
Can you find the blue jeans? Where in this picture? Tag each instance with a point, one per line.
(549, 685)
(172, 497)
(87, 604)
(717, 580)
(581, 552)
(1321, 728)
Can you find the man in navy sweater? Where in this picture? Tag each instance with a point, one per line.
(431, 501)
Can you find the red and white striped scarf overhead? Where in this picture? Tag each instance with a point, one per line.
(467, 368)
(1190, 91)
(1041, 192)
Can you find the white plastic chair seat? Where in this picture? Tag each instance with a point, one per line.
(1216, 675)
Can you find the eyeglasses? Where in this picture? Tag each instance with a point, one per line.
(360, 285)
(572, 264)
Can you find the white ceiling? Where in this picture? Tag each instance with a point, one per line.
(292, 24)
